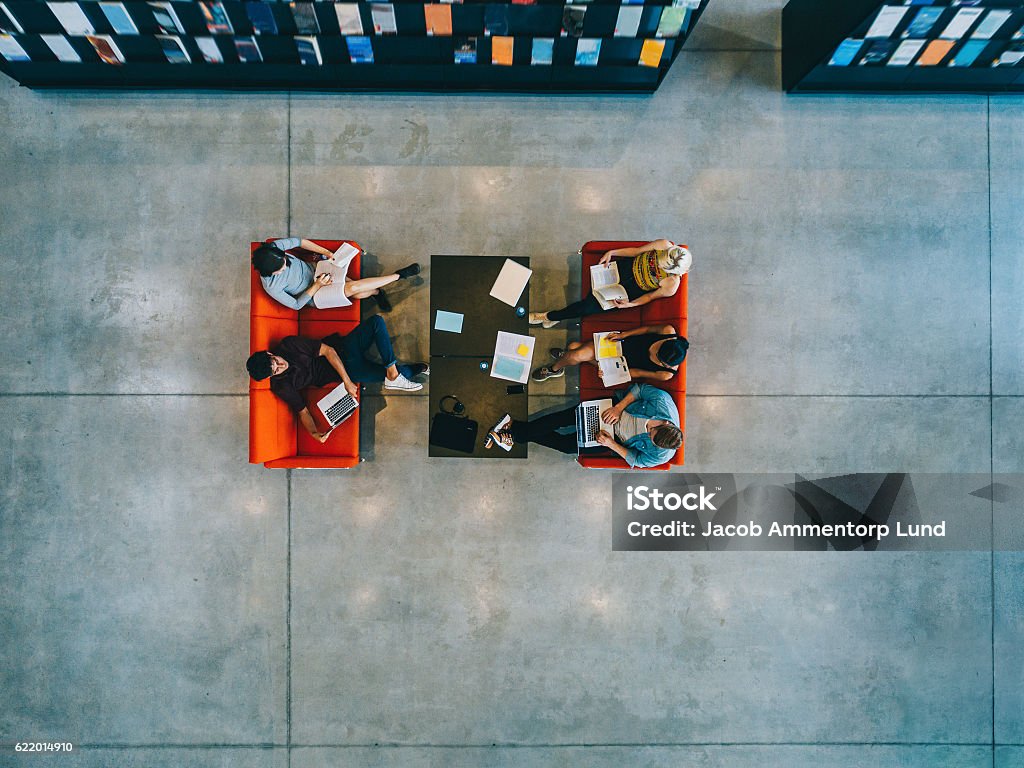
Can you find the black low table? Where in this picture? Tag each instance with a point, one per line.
(462, 284)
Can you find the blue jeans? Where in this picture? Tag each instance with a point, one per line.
(353, 348)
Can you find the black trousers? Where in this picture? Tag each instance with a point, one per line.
(587, 306)
(543, 430)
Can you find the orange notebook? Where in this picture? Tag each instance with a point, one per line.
(501, 50)
(650, 54)
(935, 52)
(439, 19)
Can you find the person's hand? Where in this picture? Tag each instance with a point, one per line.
(352, 388)
(610, 415)
(622, 304)
(321, 436)
(600, 373)
(617, 336)
(606, 258)
(605, 439)
(323, 279)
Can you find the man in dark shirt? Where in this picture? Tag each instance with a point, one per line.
(299, 362)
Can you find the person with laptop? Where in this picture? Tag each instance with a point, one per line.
(295, 283)
(652, 352)
(646, 273)
(298, 362)
(642, 427)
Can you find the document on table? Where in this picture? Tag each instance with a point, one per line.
(512, 357)
(448, 321)
(511, 282)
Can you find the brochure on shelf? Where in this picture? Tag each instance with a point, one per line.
(1011, 56)
(673, 22)
(628, 21)
(262, 18)
(216, 19)
(210, 50)
(968, 53)
(935, 53)
(651, 53)
(305, 18)
(905, 53)
(360, 49)
(8, 23)
(543, 50)
(11, 49)
(166, 17)
(501, 50)
(106, 49)
(513, 354)
(72, 18)
(572, 21)
(495, 20)
(886, 21)
(588, 49)
(465, 51)
(248, 50)
(383, 15)
(878, 52)
(962, 22)
(119, 18)
(924, 21)
(309, 51)
(438, 18)
(349, 19)
(991, 23)
(846, 53)
(173, 49)
(61, 48)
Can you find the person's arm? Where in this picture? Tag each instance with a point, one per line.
(309, 245)
(640, 373)
(608, 441)
(307, 421)
(666, 288)
(665, 330)
(332, 357)
(611, 415)
(656, 245)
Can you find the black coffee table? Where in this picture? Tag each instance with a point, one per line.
(462, 284)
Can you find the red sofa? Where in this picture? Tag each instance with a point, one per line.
(276, 438)
(668, 311)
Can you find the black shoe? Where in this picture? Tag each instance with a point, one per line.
(420, 369)
(382, 301)
(410, 271)
(556, 352)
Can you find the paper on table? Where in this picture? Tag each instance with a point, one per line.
(511, 281)
(449, 321)
(513, 354)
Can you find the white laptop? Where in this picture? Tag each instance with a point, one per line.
(588, 421)
(337, 405)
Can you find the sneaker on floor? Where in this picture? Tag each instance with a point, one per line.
(544, 373)
(556, 352)
(503, 422)
(541, 318)
(382, 301)
(502, 439)
(402, 383)
(420, 369)
(410, 271)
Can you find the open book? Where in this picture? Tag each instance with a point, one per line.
(608, 355)
(604, 282)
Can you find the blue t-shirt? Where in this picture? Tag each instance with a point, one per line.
(297, 276)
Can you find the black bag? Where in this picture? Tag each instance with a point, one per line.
(452, 430)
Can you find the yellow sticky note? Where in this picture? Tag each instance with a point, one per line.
(522, 350)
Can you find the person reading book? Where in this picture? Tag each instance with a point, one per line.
(652, 352)
(642, 428)
(295, 283)
(646, 273)
(298, 362)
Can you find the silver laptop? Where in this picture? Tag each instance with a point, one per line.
(337, 405)
(588, 421)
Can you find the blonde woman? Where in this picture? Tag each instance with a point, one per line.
(653, 271)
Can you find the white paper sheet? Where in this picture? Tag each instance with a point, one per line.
(513, 354)
(511, 282)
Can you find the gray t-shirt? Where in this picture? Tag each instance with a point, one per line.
(629, 426)
(289, 284)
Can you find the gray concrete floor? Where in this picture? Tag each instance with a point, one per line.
(854, 306)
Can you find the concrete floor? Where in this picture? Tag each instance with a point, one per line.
(854, 306)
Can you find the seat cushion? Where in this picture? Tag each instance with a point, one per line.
(271, 427)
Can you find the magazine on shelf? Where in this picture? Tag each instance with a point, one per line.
(119, 18)
(886, 21)
(513, 354)
(495, 20)
(106, 49)
(967, 54)
(309, 54)
(349, 20)
(438, 18)
(1011, 56)
(572, 21)
(305, 18)
(360, 49)
(673, 22)
(845, 53)
(383, 15)
(878, 52)
(11, 49)
(61, 48)
(604, 283)
(72, 18)
(501, 50)
(935, 52)
(262, 18)
(248, 50)
(465, 51)
(166, 18)
(991, 23)
(210, 50)
(216, 18)
(588, 49)
(8, 23)
(651, 53)
(609, 359)
(905, 53)
(173, 49)
(628, 21)
(543, 50)
(962, 22)
(924, 21)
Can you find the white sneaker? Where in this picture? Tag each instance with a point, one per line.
(541, 318)
(402, 383)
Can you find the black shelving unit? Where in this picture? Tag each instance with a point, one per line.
(409, 59)
(850, 46)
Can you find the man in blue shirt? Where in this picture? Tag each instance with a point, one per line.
(643, 428)
(294, 283)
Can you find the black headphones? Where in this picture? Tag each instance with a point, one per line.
(457, 409)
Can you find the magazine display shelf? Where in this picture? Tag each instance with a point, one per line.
(540, 46)
(925, 46)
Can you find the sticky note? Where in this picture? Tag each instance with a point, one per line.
(522, 350)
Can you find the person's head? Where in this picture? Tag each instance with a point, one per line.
(672, 352)
(667, 436)
(268, 259)
(676, 260)
(263, 365)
